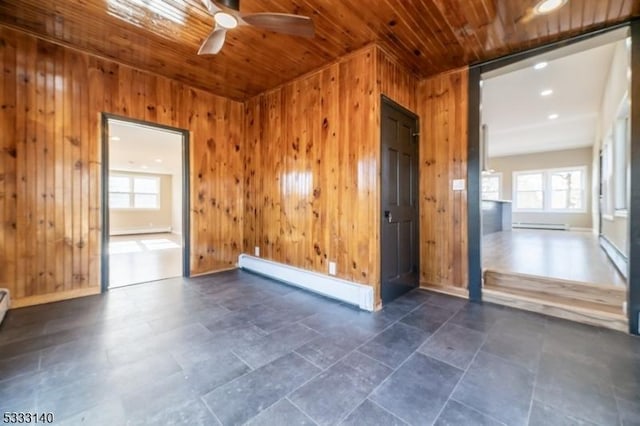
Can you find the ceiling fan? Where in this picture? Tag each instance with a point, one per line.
(226, 15)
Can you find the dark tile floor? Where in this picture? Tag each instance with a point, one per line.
(235, 348)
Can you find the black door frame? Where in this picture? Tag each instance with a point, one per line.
(393, 104)
(473, 165)
(104, 209)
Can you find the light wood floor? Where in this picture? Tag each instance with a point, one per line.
(567, 255)
(146, 257)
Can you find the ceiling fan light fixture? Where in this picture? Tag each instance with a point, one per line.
(225, 20)
(547, 6)
(540, 65)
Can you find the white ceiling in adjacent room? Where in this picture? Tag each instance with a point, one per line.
(138, 148)
(551, 108)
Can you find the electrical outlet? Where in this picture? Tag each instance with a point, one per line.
(256, 251)
(332, 268)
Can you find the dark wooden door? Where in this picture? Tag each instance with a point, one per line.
(399, 199)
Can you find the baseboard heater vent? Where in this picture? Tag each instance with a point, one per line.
(335, 288)
(136, 231)
(620, 261)
(551, 226)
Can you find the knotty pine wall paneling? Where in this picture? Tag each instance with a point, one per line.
(51, 98)
(312, 166)
(395, 81)
(442, 105)
(311, 170)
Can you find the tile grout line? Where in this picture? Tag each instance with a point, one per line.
(299, 408)
(479, 412)
(356, 349)
(393, 371)
(464, 372)
(201, 397)
(383, 409)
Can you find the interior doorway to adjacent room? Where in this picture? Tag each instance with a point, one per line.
(145, 202)
(555, 179)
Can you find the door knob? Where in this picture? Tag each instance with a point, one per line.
(388, 216)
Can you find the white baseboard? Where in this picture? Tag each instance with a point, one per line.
(134, 231)
(335, 288)
(580, 229)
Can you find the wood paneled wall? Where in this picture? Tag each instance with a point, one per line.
(312, 166)
(442, 106)
(395, 81)
(51, 98)
(302, 183)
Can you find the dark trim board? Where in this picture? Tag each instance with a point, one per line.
(633, 301)
(474, 221)
(473, 164)
(104, 213)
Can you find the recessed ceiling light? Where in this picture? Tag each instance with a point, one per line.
(546, 92)
(144, 167)
(540, 65)
(553, 116)
(547, 6)
(115, 138)
(225, 20)
(158, 160)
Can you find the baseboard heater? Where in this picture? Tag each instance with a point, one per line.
(550, 226)
(345, 291)
(136, 231)
(620, 261)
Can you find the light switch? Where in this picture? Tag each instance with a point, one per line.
(458, 184)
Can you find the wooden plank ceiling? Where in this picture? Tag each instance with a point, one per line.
(427, 36)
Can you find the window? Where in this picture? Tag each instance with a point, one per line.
(529, 191)
(491, 186)
(621, 145)
(607, 177)
(554, 190)
(134, 192)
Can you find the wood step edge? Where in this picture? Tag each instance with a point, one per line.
(594, 286)
(588, 316)
(558, 299)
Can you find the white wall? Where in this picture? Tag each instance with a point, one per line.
(546, 160)
(176, 206)
(133, 221)
(613, 228)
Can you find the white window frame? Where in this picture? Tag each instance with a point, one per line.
(621, 136)
(514, 189)
(489, 175)
(132, 193)
(547, 190)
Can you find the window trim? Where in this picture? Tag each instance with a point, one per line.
(547, 190)
(132, 193)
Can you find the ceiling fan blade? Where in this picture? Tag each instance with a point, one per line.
(284, 23)
(214, 42)
(210, 6)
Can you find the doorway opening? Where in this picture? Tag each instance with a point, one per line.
(144, 203)
(554, 186)
(399, 230)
